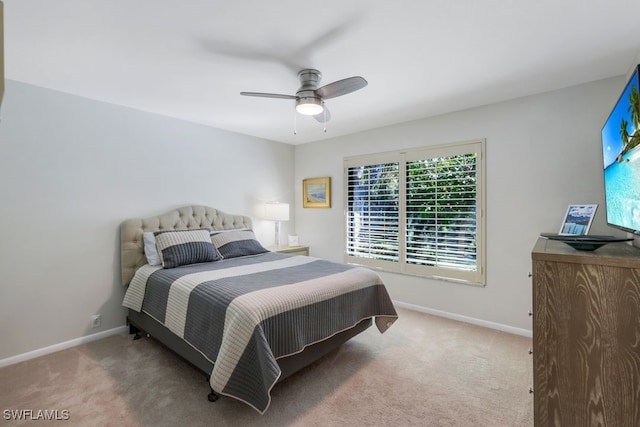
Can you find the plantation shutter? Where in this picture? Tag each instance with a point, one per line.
(442, 211)
(372, 217)
(443, 207)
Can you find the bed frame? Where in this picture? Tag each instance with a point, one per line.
(193, 217)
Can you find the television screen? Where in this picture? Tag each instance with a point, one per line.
(621, 154)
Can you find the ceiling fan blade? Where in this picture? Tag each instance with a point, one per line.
(341, 87)
(269, 95)
(323, 117)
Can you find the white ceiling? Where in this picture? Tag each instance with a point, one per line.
(190, 59)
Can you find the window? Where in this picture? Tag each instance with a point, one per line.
(418, 211)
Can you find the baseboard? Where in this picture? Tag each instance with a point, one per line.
(123, 329)
(466, 319)
(61, 346)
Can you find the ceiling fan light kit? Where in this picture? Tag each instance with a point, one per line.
(309, 106)
(310, 98)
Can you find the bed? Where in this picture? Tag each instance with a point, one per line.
(246, 317)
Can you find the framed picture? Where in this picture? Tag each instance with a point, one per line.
(293, 241)
(316, 192)
(578, 219)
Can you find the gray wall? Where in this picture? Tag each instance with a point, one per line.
(71, 169)
(542, 153)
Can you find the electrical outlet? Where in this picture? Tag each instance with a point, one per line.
(95, 321)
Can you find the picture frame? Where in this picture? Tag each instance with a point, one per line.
(293, 240)
(578, 219)
(316, 192)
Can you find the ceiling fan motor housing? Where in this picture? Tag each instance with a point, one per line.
(309, 79)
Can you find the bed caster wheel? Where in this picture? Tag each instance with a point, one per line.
(212, 397)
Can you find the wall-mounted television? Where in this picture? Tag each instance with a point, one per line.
(621, 155)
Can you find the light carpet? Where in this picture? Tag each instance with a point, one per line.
(424, 371)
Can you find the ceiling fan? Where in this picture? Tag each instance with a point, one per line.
(310, 98)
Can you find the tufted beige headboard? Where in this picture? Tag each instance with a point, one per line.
(188, 217)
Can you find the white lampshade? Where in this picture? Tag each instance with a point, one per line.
(276, 211)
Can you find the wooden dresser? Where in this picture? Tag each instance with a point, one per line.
(586, 335)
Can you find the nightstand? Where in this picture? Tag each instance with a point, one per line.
(293, 250)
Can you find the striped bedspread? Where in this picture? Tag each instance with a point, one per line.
(245, 313)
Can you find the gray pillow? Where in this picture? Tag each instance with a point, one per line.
(236, 243)
(183, 247)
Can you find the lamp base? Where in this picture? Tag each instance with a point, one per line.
(277, 239)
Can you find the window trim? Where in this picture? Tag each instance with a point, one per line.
(477, 277)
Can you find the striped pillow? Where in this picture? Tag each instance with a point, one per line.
(236, 243)
(183, 247)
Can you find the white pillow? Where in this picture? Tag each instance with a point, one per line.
(150, 250)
